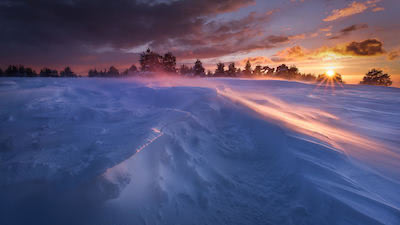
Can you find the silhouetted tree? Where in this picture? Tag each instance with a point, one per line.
(293, 70)
(103, 73)
(239, 72)
(271, 71)
(220, 71)
(185, 70)
(93, 73)
(257, 71)
(377, 77)
(338, 78)
(169, 63)
(247, 69)
(268, 70)
(112, 71)
(11, 71)
(1, 72)
(282, 70)
(198, 68)
(46, 72)
(67, 72)
(150, 61)
(292, 73)
(21, 71)
(209, 73)
(131, 71)
(30, 72)
(307, 77)
(232, 71)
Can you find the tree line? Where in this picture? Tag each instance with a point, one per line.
(22, 71)
(152, 62)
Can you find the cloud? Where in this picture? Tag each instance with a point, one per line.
(259, 60)
(354, 28)
(88, 32)
(219, 38)
(351, 9)
(326, 29)
(378, 9)
(370, 47)
(290, 54)
(393, 55)
(366, 48)
(346, 31)
(64, 29)
(277, 39)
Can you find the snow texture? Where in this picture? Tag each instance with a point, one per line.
(197, 151)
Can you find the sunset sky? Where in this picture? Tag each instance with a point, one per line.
(349, 37)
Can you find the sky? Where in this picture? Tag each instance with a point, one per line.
(347, 36)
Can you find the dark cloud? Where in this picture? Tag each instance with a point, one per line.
(62, 29)
(369, 47)
(354, 28)
(346, 31)
(278, 39)
(218, 38)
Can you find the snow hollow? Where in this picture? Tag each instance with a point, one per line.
(197, 151)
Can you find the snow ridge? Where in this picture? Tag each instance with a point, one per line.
(221, 151)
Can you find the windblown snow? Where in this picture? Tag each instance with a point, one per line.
(197, 151)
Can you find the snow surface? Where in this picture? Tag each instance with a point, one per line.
(197, 151)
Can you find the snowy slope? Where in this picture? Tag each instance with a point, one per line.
(218, 151)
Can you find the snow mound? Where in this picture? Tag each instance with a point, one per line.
(219, 151)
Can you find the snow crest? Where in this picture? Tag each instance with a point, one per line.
(220, 151)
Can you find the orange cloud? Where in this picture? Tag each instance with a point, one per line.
(378, 9)
(394, 55)
(296, 52)
(259, 60)
(352, 9)
(326, 29)
(369, 47)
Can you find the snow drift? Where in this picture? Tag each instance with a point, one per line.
(188, 151)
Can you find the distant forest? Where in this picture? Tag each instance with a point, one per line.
(152, 62)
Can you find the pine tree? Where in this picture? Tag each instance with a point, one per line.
(198, 68)
(257, 71)
(151, 61)
(11, 71)
(220, 71)
(232, 71)
(21, 71)
(293, 72)
(377, 77)
(112, 71)
(30, 72)
(282, 70)
(247, 69)
(169, 63)
(132, 69)
(268, 70)
(67, 72)
(185, 70)
(93, 73)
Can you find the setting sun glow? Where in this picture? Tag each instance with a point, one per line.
(330, 73)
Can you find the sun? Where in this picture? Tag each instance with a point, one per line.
(330, 73)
